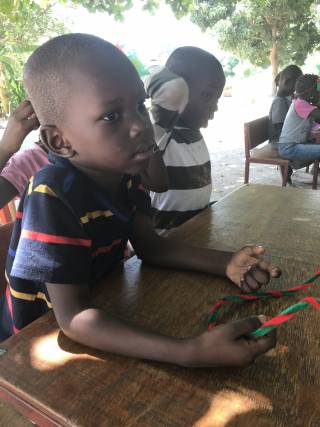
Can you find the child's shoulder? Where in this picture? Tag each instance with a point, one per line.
(167, 89)
(303, 108)
(33, 157)
(60, 177)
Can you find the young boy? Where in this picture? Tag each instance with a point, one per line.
(285, 81)
(17, 167)
(184, 150)
(77, 214)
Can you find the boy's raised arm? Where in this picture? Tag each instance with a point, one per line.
(20, 123)
(226, 345)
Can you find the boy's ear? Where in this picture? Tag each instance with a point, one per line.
(52, 138)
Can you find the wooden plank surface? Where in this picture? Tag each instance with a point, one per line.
(77, 386)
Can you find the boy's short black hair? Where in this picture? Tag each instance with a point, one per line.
(188, 61)
(291, 70)
(49, 70)
(306, 83)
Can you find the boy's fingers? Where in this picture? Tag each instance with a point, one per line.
(21, 106)
(33, 123)
(263, 344)
(254, 251)
(250, 282)
(243, 327)
(25, 111)
(258, 275)
(267, 266)
(276, 272)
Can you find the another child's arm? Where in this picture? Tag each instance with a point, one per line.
(225, 345)
(21, 122)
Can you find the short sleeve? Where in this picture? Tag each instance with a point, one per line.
(168, 90)
(279, 109)
(53, 246)
(303, 108)
(22, 166)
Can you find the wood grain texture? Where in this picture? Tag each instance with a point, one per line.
(77, 386)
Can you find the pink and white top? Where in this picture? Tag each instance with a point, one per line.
(304, 109)
(23, 165)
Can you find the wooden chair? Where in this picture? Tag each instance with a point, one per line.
(256, 133)
(5, 235)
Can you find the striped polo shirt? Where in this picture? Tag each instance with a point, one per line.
(68, 231)
(187, 159)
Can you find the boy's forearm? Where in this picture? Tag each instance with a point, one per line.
(175, 254)
(92, 327)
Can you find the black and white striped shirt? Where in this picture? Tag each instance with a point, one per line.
(187, 159)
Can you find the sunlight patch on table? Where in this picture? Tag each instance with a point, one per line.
(228, 404)
(45, 353)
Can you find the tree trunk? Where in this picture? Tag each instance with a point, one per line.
(273, 57)
(4, 99)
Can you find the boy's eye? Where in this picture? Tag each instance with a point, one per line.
(111, 117)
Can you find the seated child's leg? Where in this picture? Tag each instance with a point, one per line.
(302, 152)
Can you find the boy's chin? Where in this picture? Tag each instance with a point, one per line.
(204, 123)
(139, 167)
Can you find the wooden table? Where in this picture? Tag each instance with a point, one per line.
(57, 382)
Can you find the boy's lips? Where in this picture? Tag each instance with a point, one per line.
(143, 153)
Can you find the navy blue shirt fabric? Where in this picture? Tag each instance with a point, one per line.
(68, 231)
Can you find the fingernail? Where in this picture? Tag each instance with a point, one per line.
(249, 267)
(262, 318)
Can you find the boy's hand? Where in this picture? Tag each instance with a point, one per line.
(249, 270)
(229, 345)
(21, 121)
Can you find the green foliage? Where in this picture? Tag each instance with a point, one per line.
(229, 64)
(22, 25)
(250, 28)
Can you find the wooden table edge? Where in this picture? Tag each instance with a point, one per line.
(39, 415)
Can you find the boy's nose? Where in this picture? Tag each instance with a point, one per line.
(138, 126)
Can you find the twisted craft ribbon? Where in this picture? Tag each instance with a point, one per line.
(287, 314)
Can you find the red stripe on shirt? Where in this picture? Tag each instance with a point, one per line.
(105, 249)
(18, 214)
(9, 302)
(52, 238)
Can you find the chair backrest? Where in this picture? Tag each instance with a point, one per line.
(255, 133)
(5, 235)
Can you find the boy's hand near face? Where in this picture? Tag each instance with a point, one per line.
(21, 121)
(248, 270)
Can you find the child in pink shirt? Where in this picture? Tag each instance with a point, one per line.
(295, 141)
